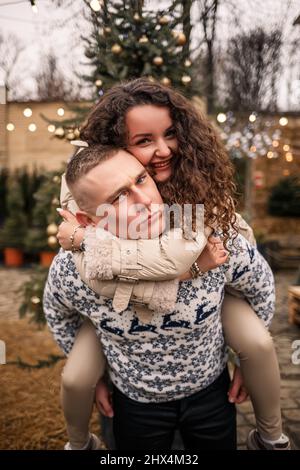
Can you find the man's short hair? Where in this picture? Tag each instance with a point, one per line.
(86, 159)
(81, 163)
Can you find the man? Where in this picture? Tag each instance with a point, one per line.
(171, 371)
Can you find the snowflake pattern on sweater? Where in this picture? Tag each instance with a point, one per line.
(174, 355)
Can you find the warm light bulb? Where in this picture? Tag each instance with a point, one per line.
(60, 111)
(221, 117)
(286, 147)
(51, 128)
(289, 157)
(283, 121)
(32, 127)
(95, 5)
(270, 154)
(10, 127)
(27, 112)
(252, 118)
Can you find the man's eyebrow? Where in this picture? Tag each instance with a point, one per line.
(118, 191)
(149, 133)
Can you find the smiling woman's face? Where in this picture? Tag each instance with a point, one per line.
(152, 138)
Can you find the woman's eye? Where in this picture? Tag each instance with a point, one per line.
(171, 133)
(143, 141)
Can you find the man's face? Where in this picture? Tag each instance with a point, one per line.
(124, 198)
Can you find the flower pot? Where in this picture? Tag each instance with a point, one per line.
(13, 257)
(46, 258)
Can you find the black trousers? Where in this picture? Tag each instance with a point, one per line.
(206, 420)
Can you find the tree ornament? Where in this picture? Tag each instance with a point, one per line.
(52, 229)
(166, 81)
(143, 39)
(70, 136)
(98, 83)
(52, 241)
(116, 49)
(180, 37)
(163, 20)
(35, 300)
(59, 132)
(55, 201)
(186, 79)
(158, 60)
(137, 17)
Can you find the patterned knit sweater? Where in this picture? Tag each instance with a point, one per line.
(174, 355)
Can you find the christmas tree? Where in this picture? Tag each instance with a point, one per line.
(128, 41)
(41, 235)
(14, 228)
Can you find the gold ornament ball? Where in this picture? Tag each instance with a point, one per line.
(180, 39)
(52, 241)
(35, 300)
(186, 79)
(143, 39)
(137, 17)
(98, 82)
(187, 63)
(59, 132)
(55, 201)
(116, 49)
(163, 20)
(166, 81)
(52, 229)
(70, 136)
(158, 60)
(56, 179)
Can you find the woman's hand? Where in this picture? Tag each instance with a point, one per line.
(237, 392)
(103, 398)
(213, 255)
(66, 229)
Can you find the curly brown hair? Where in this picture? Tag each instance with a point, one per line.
(202, 172)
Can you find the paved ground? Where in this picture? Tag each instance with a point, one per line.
(284, 334)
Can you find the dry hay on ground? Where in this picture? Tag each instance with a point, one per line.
(31, 415)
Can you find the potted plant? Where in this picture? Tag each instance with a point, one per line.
(14, 229)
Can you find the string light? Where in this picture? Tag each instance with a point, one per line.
(32, 127)
(270, 154)
(221, 117)
(275, 143)
(283, 121)
(289, 157)
(34, 6)
(10, 127)
(252, 118)
(51, 128)
(95, 5)
(286, 147)
(27, 112)
(60, 111)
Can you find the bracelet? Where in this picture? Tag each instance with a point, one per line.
(195, 270)
(72, 237)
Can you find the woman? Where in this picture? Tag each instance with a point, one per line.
(180, 148)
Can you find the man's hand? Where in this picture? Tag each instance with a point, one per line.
(237, 392)
(66, 229)
(103, 399)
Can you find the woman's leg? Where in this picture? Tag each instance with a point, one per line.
(84, 367)
(246, 334)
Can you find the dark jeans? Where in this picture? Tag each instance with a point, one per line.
(206, 420)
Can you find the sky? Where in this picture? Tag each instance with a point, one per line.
(59, 29)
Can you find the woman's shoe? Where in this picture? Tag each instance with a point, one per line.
(93, 444)
(255, 442)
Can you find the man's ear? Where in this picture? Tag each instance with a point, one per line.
(84, 219)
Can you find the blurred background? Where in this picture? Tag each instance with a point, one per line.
(239, 61)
